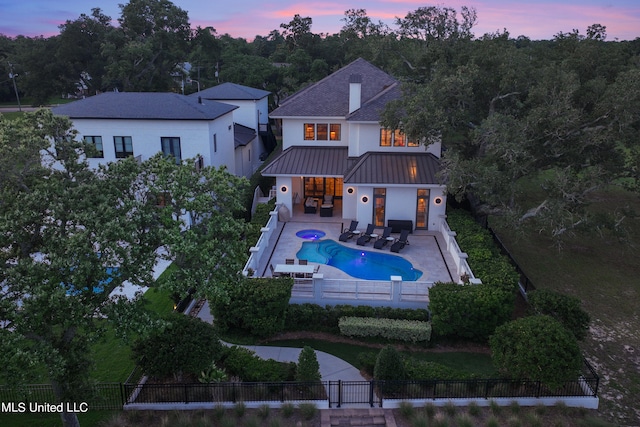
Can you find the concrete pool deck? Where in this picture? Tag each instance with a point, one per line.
(426, 249)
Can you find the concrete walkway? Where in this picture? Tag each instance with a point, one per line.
(332, 368)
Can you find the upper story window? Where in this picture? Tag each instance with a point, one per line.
(395, 138)
(171, 148)
(322, 132)
(96, 141)
(123, 146)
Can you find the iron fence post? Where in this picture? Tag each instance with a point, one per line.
(339, 393)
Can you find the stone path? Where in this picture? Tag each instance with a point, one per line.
(374, 417)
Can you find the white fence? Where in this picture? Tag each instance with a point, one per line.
(263, 244)
(459, 257)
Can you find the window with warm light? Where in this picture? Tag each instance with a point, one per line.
(309, 131)
(322, 131)
(385, 137)
(398, 138)
(334, 133)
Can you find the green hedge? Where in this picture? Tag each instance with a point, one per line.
(313, 317)
(485, 259)
(244, 364)
(404, 330)
(469, 311)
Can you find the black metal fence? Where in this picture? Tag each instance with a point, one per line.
(525, 283)
(336, 393)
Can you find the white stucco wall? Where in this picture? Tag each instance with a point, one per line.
(196, 138)
(368, 139)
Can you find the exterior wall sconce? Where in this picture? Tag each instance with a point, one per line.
(284, 189)
(364, 199)
(437, 201)
(350, 190)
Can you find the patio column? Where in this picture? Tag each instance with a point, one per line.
(396, 288)
(317, 287)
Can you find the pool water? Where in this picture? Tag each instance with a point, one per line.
(358, 263)
(311, 234)
(99, 288)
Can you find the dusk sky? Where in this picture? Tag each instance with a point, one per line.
(248, 18)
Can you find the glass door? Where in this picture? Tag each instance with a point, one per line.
(422, 209)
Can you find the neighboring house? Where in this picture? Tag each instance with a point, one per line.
(142, 124)
(252, 115)
(333, 144)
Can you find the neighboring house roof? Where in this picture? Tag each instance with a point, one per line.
(143, 106)
(242, 135)
(394, 168)
(309, 161)
(232, 91)
(330, 96)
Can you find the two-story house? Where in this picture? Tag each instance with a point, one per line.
(142, 124)
(251, 122)
(333, 144)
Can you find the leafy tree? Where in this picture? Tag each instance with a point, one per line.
(308, 368)
(538, 348)
(297, 33)
(68, 236)
(151, 40)
(469, 311)
(183, 345)
(564, 308)
(198, 211)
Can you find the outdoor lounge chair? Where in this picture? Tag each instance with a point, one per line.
(348, 232)
(401, 242)
(384, 239)
(364, 238)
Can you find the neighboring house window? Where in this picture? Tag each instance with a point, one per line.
(395, 138)
(171, 147)
(215, 143)
(96, 141)
(379, 201)
(309, 131)
(322, 131)
(124, 146)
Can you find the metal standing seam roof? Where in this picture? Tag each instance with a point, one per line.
(143, 106)
(309, 161)
(389, 168)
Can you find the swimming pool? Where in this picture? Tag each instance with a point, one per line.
(311, 234)
(358, 263)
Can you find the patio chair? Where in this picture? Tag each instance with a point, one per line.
(289, 261)
(401, 241)
(348, 232)
(384, 239)
(366, 237)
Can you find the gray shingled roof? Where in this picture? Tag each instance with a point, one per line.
(309, 161)
(143, 106)
(330, 96)
(232, 91)
(242, 135)
(394, 168)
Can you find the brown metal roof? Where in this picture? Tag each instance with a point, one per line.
(309, 161)
(394, 168)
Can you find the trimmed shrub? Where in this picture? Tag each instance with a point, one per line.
(427, 371)
(243, 363)
(469, 311)
(538, 348)
(389, 365)
(185, 345)
(367, 361)
(564, 308)
(256, 306)
(403, 330)
(308, 367)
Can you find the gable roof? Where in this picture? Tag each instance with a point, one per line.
(330, 96)
(143, 106)
(394, 168)
(309, 161)
(232, 91)
(242, 135)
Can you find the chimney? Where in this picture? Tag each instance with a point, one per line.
(355, 92)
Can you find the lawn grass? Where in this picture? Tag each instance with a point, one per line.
(477, 363)
(603, 271)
